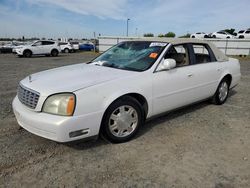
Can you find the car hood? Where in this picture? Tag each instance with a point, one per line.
(72, 78)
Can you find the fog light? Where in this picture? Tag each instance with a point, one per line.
(78, 133)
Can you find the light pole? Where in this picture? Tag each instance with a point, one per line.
(127, 26)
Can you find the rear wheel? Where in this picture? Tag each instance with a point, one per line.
(66, 50)
(214, 36)
(221, 93)
(122, 120)
(54, 53)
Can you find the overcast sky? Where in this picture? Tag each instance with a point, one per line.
(81, 18)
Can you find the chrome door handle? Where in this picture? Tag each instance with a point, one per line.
(219, 69)
(190, 75)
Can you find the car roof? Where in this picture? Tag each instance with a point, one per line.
(220, 56)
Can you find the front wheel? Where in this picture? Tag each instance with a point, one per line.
(122, 120)
(27, 53)
(221, 93)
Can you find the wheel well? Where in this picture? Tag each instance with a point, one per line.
(228, 77)
(26, 50)
(54, 50)
(141, 99)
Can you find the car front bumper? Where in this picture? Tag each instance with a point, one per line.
(57, 128)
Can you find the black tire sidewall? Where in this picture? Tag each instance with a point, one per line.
(216, 98)
(54, 53)
(27, 53)
(126, 100)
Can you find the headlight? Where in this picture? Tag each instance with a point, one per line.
(60, 104)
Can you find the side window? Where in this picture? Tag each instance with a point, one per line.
(202, 54)
(247, 32)
(180, 54)
(47, 43)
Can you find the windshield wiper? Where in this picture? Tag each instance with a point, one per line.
(110, 65)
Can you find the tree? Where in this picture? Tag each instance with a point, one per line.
(231, 31)
(185, 36)
(161, 35)
(148, 35)
(170, 34)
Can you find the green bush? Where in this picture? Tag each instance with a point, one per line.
(170, 34)
(148, 35)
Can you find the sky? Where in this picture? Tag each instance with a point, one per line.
(83, 18)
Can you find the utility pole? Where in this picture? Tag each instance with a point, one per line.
(127, 26)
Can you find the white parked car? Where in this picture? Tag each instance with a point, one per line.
(41, 47)
(222, 35)
(75, 45)
(116, 92)
(244, 34)
(66, 47)
(199, 35)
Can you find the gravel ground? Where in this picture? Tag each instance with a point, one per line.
(202, 145)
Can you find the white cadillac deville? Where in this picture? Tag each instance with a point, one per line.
(116, 92)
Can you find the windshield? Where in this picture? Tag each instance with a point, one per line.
(131, 55)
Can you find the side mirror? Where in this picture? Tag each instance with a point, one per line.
(166, 64)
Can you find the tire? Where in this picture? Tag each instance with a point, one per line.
(66, 50)
(221, 93)
(193, 37)
(122, 120)
(27, 53)
(54, 53)
(214, 36)
(228, 37)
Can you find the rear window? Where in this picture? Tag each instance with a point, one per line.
(242, 31)
(247, 32)
(202, 53)
(62, 43)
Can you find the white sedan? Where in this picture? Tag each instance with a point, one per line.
(116, 92)
(199, 35)
(222, 35)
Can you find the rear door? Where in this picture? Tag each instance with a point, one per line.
(206, 71)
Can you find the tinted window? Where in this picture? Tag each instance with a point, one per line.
(242, 31)
(62, 43)
(180, 54)
(47, 42)
(201, 53)
(247, 31)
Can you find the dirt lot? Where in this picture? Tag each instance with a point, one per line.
(199, 146)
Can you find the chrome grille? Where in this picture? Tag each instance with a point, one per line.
(27, 96)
